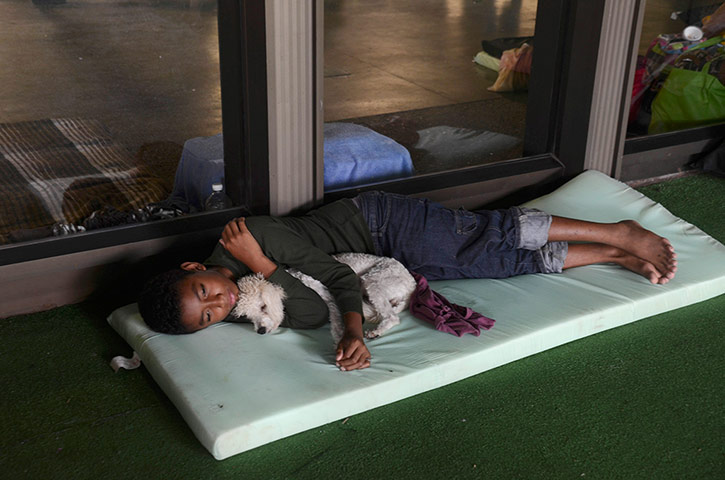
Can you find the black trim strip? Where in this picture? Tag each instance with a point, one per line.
(243, 64)
(664, 140)
(546, 73)
(454, 178)
(112, 236)
(231, 77)
(584, 24)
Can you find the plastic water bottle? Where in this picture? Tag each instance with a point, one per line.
(218, 200)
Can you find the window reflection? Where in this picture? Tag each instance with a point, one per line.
(423, 86)
(97, 110)
(679, 82)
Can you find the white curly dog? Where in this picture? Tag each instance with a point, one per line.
(386, 287)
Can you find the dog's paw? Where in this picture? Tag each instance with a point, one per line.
(371, 334)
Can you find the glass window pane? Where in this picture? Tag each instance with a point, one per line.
(99, 98)
(679, 81)
(424, 76)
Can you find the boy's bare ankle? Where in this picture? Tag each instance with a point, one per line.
(610, 253)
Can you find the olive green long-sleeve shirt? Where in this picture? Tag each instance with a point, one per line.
(306, 243)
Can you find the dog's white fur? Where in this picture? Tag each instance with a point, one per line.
(386, 287)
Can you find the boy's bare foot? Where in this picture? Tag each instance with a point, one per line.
(580, 254)
(650, 247)
(641, 267)
(627, 235)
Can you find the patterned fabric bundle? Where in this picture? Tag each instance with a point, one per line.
(58, 171)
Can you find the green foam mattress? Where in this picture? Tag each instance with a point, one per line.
(238, 390)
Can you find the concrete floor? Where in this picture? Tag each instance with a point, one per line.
(385, 56)
(149, 71)
(403, 67)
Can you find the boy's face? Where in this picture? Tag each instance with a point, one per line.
(206, 298)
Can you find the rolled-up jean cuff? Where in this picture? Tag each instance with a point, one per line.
(552, 256)
(533, 231)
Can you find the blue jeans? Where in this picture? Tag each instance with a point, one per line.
(441, 243)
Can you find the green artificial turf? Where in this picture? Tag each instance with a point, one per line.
(646, 400)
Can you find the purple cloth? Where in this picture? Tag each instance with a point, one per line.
(444, 315)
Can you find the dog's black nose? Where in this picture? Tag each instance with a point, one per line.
(262, 330)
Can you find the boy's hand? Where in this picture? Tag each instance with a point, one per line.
(352, 353)
(239, 241)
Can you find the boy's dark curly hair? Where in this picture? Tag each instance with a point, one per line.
(159, 302)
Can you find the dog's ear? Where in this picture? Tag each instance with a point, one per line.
(273, 297)
(272, 293)
(193, 266)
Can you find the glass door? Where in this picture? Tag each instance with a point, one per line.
(111, 114)
(420, 87)
(680, 77)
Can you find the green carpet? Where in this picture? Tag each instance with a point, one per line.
(641, 401)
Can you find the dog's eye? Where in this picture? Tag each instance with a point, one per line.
(263, 308)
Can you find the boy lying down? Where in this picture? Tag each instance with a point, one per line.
(434, 241)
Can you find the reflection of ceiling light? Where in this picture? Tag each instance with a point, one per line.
(499, 9)
(454, 8)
